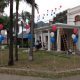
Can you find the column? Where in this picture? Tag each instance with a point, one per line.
(42, 39)
(49, 40)
(79, 39)
(58, 40)
(35, 37)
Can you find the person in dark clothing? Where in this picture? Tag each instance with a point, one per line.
(37, 44)
(40, 45)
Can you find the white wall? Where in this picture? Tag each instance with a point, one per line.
(71, 13)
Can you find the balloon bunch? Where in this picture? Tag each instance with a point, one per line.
(27, 26)
(75, 35)
(29, 36)
(52, 39)
(1, 38)
(1, 26)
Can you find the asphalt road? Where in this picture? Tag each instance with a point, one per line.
(16, 77)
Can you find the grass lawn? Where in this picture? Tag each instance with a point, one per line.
(43, 61)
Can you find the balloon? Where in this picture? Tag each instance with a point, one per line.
(73, 36)
(60, 6)
(1, 26)
(52, 39)
(27, 26)
(43, 14)
(75, 40)
(47, 14)
(29, 36)
(19, 22)
(51, 14)
(52, 34)
(55, 9)
(0, 41)
(77, 36)
(43, 18)
(54, 28)
(1, 38)
(52, 10)
(27, 30)
(27, 21)
(75, 30)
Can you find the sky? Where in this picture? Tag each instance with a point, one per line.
(45, 5)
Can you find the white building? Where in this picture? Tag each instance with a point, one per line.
(71, 14)
(43, 33)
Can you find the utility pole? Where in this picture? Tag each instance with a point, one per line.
(32, 32)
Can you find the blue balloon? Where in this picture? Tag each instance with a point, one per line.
(1, 38)
(75, 40)
(29, 36)
(77, 36)
(52, 39)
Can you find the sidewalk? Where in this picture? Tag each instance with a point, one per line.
(42, 71)
(16, 77)
(39, 73)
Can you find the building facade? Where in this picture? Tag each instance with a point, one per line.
(71, 15)
(66, 30)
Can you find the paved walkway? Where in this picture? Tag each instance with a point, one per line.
(16, 77)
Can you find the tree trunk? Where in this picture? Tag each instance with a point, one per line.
(11, 61)
(16, 48)
(32, 32)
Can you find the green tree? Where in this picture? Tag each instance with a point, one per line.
(3, 4)
(61, 17)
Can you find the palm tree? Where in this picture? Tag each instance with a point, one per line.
(16, 30)
(17, 7)
(32, 32)
(3, 4)
(11, 61)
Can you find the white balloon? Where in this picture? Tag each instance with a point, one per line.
(27, 30)
(19, 22)
(52, 34)
(73, 36)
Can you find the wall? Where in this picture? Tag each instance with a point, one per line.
(71, 13)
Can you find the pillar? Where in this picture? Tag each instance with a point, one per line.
(58, 40)
(79, 39)
(42, 39)
(35, 37)
(49, 40)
